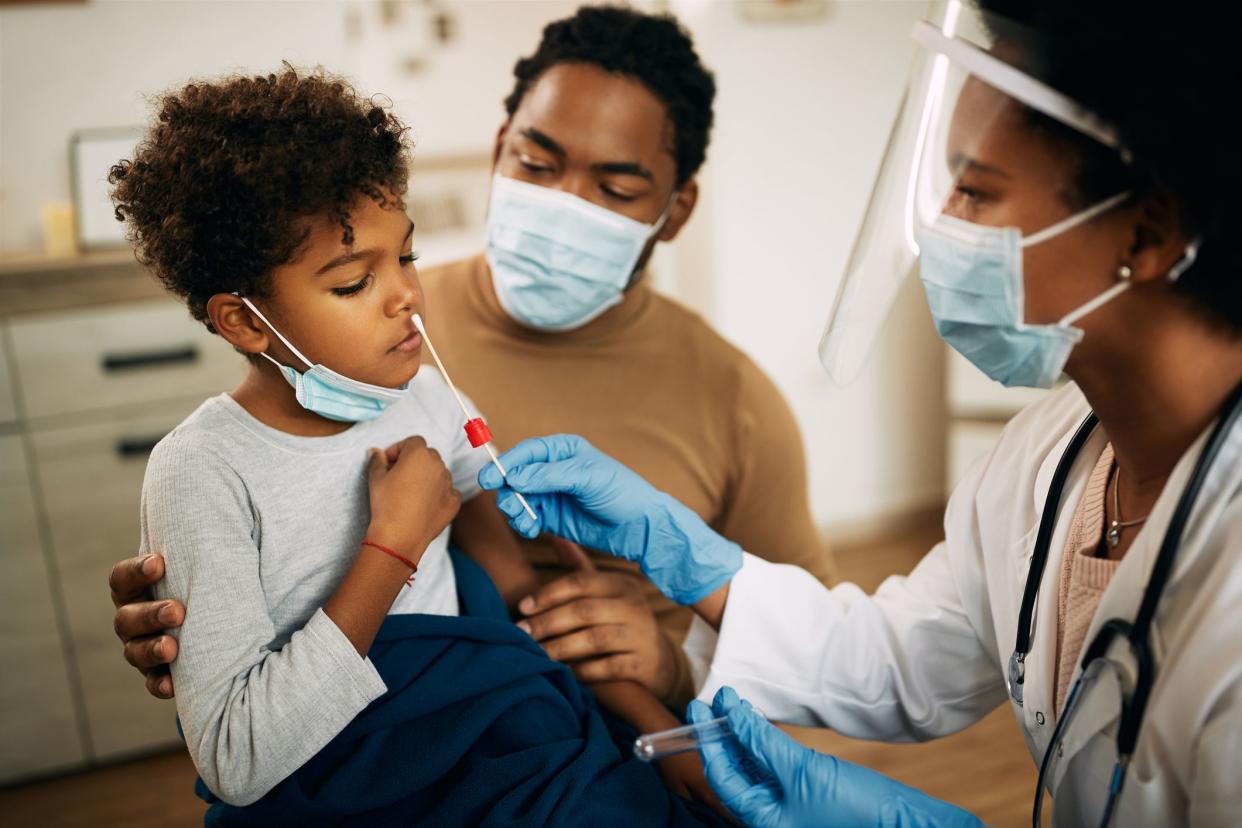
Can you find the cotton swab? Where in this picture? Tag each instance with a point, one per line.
(477, 431)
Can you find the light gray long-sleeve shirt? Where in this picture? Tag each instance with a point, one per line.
(258, 528)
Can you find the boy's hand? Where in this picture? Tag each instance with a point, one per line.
(412, 496)
(600, 624)
(140, 622)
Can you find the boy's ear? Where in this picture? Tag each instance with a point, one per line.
(236, 324)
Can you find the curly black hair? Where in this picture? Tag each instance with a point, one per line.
(1166, 79)
(219, 191)
(652, 49)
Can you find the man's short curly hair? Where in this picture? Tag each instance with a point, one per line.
(651, 49)
(219, 192)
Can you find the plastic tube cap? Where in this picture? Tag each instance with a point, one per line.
(478, 433)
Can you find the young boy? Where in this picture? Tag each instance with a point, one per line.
(272, 207)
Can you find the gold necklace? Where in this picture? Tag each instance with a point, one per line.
(1114, 530)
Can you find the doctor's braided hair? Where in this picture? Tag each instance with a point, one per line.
(1167, 79)
(651, 49)
(219, 192)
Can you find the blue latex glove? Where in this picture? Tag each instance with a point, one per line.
(584, 495)
(766, 779)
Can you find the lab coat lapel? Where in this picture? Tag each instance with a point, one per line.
(1102, 708)
(1039, 715)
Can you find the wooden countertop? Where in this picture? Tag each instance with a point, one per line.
(35, 283)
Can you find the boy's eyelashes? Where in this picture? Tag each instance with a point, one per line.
(358, 286)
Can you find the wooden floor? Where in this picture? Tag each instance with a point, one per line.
(986, 768)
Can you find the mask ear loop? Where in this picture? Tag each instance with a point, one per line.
(658, 227)
(1123, 273)
(279, 336)
(1073, 221)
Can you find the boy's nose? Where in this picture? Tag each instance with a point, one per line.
(405, 293)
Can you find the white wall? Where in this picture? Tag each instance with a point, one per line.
(803, 114)
(70, 66)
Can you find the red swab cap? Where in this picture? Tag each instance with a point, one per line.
(477, 432)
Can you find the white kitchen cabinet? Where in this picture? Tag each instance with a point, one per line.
(85, 393)
(120, 355)
(39, 730)
(91, 480)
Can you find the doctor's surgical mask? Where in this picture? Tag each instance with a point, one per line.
(557, 260)
(972, 275)
(327, 393)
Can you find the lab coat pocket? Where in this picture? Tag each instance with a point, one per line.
(1021, 551)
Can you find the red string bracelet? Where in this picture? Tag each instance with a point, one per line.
(413, 566)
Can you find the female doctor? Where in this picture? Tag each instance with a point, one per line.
(1067, 175)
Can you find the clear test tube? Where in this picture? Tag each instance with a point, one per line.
(652, 747)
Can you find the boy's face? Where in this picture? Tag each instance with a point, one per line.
(349, 308)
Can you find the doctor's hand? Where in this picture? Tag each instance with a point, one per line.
(584, 495)
(140, 622)
(766, 779)
(600, 624)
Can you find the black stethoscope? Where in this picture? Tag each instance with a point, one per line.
(1137, 634)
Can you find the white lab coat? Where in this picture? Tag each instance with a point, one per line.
(926, 655)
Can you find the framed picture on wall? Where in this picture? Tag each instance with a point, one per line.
(782, 11)
(92, 152)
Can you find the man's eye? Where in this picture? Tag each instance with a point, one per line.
(532, 166)
(619, 196)
(356, 287)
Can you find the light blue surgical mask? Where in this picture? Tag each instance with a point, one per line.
(559, 261)
(327, 393)
(972, 275)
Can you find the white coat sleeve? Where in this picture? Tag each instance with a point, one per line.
(909, 662)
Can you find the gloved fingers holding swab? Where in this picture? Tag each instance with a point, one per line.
(477, 431)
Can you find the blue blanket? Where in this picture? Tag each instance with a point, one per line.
(478, 727)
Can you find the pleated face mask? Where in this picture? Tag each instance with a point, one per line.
(327, 393)
(559, 261)
(972, 275)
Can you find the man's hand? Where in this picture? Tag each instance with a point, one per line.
(140, 622)
(600, 624)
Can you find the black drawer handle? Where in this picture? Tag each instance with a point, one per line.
(130, 447)
(146, 359)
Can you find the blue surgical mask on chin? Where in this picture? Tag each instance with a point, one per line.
(327, 393)
(972, 275)
(559, 261)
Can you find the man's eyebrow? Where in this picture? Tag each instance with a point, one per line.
(624, 168)
(615, 167)
(544, 140)
(356, 255)
(960, 161)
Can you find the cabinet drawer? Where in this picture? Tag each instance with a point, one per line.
(91, 478)
(102, 358)
(39, 730)
(8, 404)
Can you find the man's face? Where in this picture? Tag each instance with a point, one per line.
(602, 137)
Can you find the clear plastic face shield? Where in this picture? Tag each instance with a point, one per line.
(969, 93)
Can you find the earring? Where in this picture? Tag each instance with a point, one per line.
(1124, 273)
